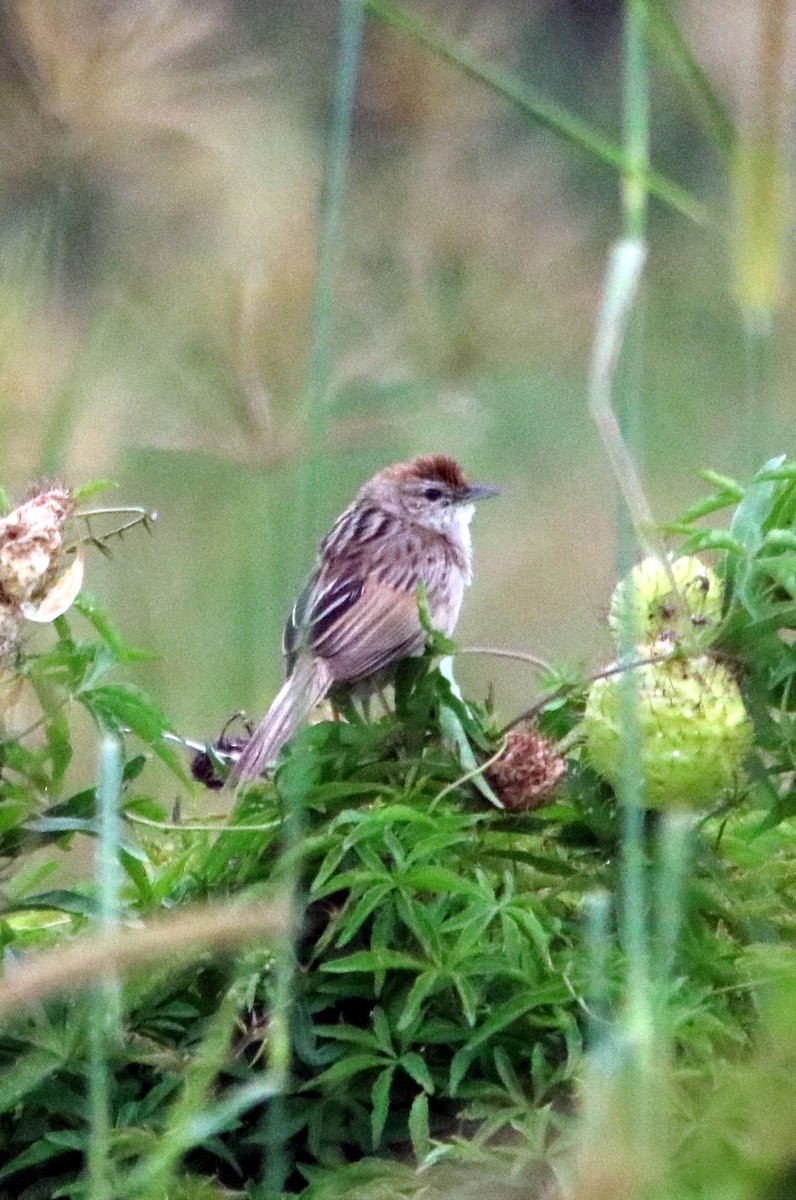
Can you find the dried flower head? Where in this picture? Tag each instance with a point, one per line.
(31, 542)
(38, 579)
(527, 771)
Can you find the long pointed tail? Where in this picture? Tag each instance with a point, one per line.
(305, 686)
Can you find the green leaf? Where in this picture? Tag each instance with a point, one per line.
(120, 707)
(37, 1153)
(381, 1030)
(469, 998)
(748, 522)
(439, 879)
(60, 747)
(136, 871)
(702, 508)
(351, 923)
(372, 961)
(416, 1067)
(87, 491)
(419, 1127)
(62, 901)
(723, 483)
(26, 1074)
(380, 1100)
(425, 985)
(510, 1012)
(343, 1070)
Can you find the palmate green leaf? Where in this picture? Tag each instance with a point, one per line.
(381, 1030)
(59, 744)
(423, 922)
(560, 122)
(13, 813)
(469, 996)
(350, 1034)
(88, 826)
(507, 1014)
(526, 920)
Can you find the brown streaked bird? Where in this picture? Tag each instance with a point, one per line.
(358, 613)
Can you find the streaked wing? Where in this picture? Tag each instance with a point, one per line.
(359, 610)
(379, 628)
(320, 605)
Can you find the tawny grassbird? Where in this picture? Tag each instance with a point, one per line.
(358, 614)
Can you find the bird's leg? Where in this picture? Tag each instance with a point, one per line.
(344, 708)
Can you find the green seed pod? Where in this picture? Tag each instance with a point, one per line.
(693, 728)
(683, 607)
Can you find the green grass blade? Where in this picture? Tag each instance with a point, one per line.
(560, 122)
(671, 47)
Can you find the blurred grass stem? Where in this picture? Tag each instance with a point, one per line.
(320, 370)
(105, 1008)
(762, 185)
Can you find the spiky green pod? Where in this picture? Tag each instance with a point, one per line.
(681, 604)
(693, 730)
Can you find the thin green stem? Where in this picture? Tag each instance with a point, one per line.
(668, 41)
(320, 370)
(674, 837)
(560, 122)
(598, 912)
(636, 119)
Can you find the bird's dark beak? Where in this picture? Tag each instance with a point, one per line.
(476, 491)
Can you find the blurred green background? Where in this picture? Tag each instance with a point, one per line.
(161, 166)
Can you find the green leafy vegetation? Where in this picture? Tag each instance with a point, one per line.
(441, 984)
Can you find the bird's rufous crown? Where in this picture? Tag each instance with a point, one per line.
(439, 468)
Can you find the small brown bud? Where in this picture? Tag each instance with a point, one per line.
(527, 771)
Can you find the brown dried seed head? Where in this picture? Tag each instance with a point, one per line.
(31, 540)
(527, 772)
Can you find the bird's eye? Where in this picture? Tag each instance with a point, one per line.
(432, 493)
